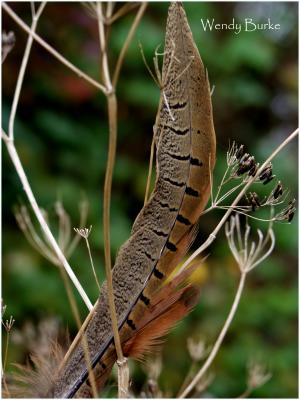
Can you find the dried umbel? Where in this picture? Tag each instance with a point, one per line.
(266, 174)
(8, 42)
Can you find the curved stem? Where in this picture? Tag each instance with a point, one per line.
(45, 228)
(20, 79)
(219, 340)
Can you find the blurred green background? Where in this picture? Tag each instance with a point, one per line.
(62, 137)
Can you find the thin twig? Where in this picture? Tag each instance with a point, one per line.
(219, 340)
(20, 79)
(84, 341)
(77, 337)
(6, 350)
(147, 191)
(127, 42)
(122, 11)
(92, 263)
(52, 51)
(231, 208)
(112, 120)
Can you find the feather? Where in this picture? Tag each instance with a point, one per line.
(164, 228)
(34, 379)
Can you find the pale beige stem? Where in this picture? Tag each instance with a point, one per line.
(219, 340)
(35, 18)
(92, 264)
(52, 51)
(39, 215)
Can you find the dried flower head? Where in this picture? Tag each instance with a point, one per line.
(266, 174)
(246, 164)
(153, 366)
(38, 241)
(253, 200)
(197, 349)
(3, 308)
(8, 42)
(258, 375)
(240, 152)
(84, 232)
(248, 256)
(8, 324)
(241, 163)
(287, 214)
(278, 191)
(234, 154)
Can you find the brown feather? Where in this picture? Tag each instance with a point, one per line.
(34, 379)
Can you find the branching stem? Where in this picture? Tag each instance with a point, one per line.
(231, 208)
(219, 340)
(9, 141)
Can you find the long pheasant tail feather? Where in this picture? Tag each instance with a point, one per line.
(163, 230)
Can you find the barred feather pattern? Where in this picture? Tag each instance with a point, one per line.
(163, 230)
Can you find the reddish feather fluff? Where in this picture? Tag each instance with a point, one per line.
(159, 320)
(169, 305)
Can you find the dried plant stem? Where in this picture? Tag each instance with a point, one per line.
(45, 228)
(52, 51)
(84, 341)
(92, 263)
(5, 351)
(187, 378)
(120, 13)
(219, 340)
(77, 337)
(123, 373)
(127, 42)
(231, 208)
(147, 192)
(245, 394)
(35, 18)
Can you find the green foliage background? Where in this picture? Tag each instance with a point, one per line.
(62, 136)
